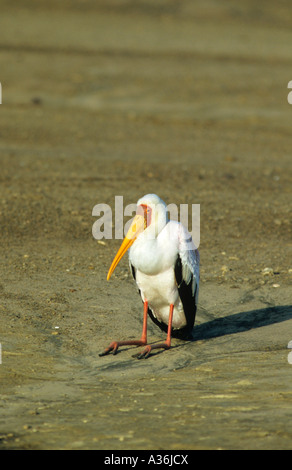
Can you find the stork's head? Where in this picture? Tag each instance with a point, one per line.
(151, 217)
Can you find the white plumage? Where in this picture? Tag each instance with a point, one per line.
(154, 262)
(165, 266)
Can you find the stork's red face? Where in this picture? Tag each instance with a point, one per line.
(141, 221)
(146, 212)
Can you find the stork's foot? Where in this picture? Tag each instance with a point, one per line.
(114, 345)
(146, 352)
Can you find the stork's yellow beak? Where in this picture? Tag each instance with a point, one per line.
(137, 226)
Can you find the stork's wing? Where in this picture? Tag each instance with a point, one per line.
(190, 259)
(187, 274)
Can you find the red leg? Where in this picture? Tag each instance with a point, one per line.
(166, 345)
(140, 342)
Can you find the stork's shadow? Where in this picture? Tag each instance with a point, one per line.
(243, 321)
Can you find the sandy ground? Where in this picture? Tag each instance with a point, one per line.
(184, 99)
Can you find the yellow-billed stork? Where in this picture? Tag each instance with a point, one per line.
(165, 265)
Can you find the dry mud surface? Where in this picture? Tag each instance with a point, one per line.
(184, 99)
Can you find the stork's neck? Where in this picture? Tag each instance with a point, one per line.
(153, 255)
